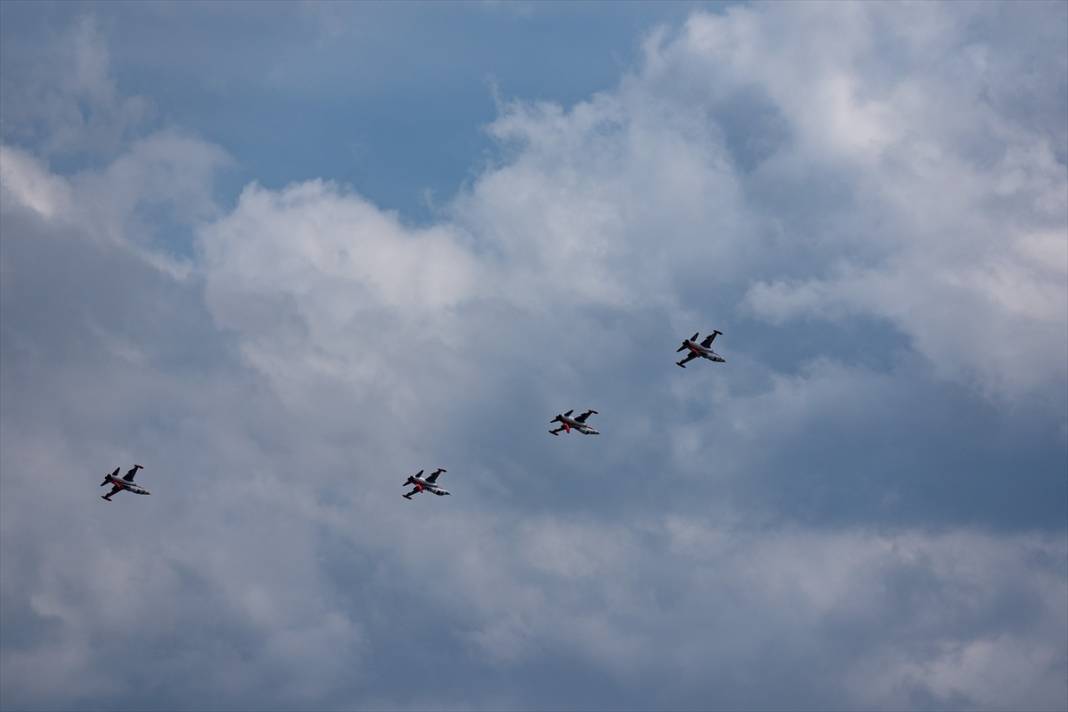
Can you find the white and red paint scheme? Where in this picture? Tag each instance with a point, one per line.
(699, 350)
(428, 484)
(125, 483)
(567, 423)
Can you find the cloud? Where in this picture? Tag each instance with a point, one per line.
(150, 198)
(945, 192)
(28, 185)
(863, 509)
(67, 101)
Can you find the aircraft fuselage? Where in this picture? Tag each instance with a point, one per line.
(570, 424)
(128, 486)
(704, 352)
(422, 485)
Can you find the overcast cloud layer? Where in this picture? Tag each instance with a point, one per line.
(864, 508)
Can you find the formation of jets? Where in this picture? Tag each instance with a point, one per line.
(429, 483)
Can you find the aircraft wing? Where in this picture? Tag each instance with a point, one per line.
(582, 418)
(689, 357)
(408, 495)
(710, 338)
(114, 490)
(129, 475)
(434, 476)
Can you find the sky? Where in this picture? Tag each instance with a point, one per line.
(286, 255)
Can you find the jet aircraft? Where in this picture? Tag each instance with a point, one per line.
(428, 484)
(126, 483)
(578, 423)
(699, 350)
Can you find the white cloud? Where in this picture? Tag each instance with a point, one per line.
(26, 184)
(638, 196)
(161, 184)
(948, 192)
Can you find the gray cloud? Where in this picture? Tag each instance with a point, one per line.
(863, 509)
(66, 101)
